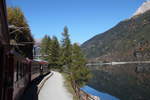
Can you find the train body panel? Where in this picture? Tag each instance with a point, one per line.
(21, 71)
(35, 69)
(18, 75)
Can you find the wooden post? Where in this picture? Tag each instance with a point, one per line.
(86, 96)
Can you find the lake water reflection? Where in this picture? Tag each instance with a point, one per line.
(126, 82)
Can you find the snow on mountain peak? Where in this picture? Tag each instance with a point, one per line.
(143, 8)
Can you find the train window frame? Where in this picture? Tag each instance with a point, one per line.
(17, 70)
(0, 26)
(21, 70)
(24, 69)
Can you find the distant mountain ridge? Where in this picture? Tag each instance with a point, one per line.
(119, 42)
(38, 41)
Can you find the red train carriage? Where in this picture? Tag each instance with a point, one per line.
(15, 71)
(20, 72)
(4, 44)
(35, 69)
(43, 66)
(18, 76)
(39, 67)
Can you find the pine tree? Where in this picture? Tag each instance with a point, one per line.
(66, 49)
(45, 45)
(54, 53)
(79, 72)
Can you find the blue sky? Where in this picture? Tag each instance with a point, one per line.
(84, 18)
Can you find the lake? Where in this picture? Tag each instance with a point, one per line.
(126, 82)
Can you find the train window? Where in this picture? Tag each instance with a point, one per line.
(17, 71)
(21, 70)
(0, 28)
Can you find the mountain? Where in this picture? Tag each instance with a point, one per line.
(143, 8)
(38, 41)
(127, 41)
(120, 42)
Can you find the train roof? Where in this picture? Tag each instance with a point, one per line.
(40, 61)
